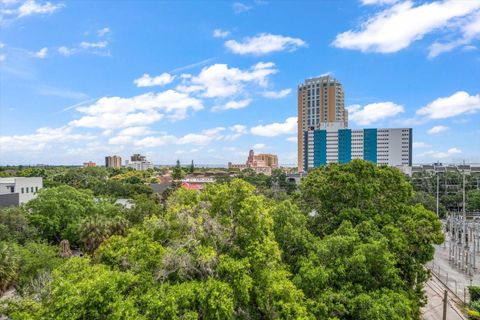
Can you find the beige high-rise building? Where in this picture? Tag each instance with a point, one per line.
(113, 162)
(262, 160)
(320, 103)
(261, 163)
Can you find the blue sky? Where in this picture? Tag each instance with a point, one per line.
(209, 80)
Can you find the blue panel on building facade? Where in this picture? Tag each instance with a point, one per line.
(344, 145)
(370, 145)
(305, 150)
(320, 148)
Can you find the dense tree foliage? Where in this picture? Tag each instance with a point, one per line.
(56, 212)
(429, 202)
(350, 244)
(450, 187)
(385, 239)
(473, 201)
(14, 226)
(22, 265)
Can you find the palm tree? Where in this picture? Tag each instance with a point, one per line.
(97, 228)
(9, 265)
(93, 231)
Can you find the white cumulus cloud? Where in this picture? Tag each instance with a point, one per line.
(437, 130)
(264, 43)
(117, 112)
(151, 142)
(396, 27)
(235, 132)
(103, 31)
(94, 45)
(240, 104)
(203, 138)
(289, 126)
(41, 54)
(135, 131)
(239, 128)
(147, 81)
(419, 145)
(277, 94)
(469, 30)
(219, 33)
(377, 2)
(373, 112)
(258, 146)
(31, 7)
(446, 107)
(220, 81)
(41, 139)
(239, 7)
(65, 51)
(435, 155)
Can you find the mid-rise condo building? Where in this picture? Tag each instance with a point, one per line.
(113, 161)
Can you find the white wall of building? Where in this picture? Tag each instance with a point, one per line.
(393, 146)
(332, 146)
(357, 144)
(139, 165)
(26, 187)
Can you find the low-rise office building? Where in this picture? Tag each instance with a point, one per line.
(15, 191)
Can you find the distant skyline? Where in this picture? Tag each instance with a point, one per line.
(208, 81)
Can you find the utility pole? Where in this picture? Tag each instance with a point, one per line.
(437, 192)
(445, 302)
(464, 235)
(464, 211)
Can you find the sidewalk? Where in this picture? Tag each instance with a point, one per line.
(434, 308)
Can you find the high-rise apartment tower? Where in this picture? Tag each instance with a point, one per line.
(324, 136)
(320, 100)
(113, 162)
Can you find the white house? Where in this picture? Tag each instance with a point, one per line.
(15, 191)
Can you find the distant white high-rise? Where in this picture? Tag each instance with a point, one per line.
(138, 162)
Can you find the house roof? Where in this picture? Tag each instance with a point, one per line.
(192, 186)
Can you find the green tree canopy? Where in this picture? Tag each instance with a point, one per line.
(14, 225)
(56, 212)
(351, 244)
(473, 200)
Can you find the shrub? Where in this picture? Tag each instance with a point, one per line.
(474, 293)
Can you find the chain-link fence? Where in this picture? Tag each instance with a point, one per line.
(456, 286)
